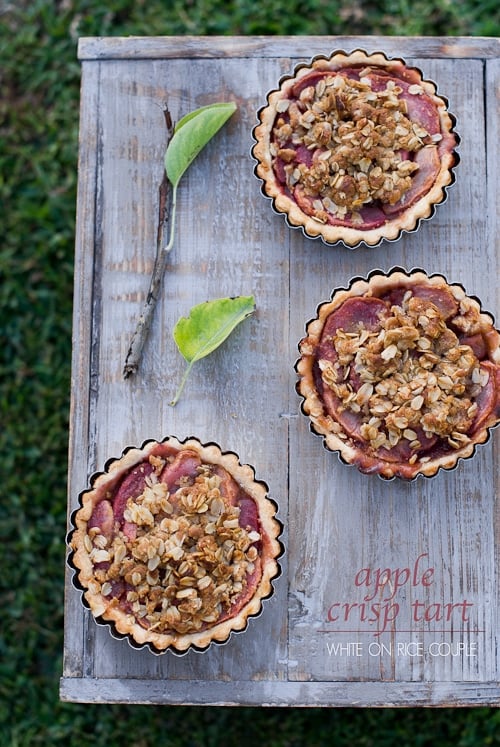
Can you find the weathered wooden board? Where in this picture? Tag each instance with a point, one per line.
(426, 553)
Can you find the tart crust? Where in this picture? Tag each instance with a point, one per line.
(294, 144)
(175, 545)
(400, 373)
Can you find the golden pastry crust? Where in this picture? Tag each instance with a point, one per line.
(176, 545)
(355, 148)
(400, 374)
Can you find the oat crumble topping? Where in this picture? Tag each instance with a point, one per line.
(414, 378)
(187, 560)
(358, 138)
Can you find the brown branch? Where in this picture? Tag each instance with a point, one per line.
(144, 321)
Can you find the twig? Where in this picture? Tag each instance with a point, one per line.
(144, 322)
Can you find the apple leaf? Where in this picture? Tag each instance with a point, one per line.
(206, 327)
(191, 134)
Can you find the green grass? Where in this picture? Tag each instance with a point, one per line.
(39, 101)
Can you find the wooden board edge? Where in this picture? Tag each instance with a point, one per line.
(280, 694)
(168, 47)
(78, 438)
(492, 89)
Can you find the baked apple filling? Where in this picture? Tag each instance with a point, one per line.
(355, 148)
(175, 547)
(403, 376)
(346, 142)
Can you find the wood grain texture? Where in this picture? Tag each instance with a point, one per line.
(441, 646)
(492, 103)
(191, 47)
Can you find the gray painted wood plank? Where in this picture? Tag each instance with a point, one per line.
(210, 260)
(492, 104)
(337, 522)
(163, 47)
(82, 339)
(270, 694)
(372, 524)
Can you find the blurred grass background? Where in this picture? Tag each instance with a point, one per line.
(39, 108)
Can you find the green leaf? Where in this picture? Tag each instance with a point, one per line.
(190, 136)
(209, 324)
(206, 327)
